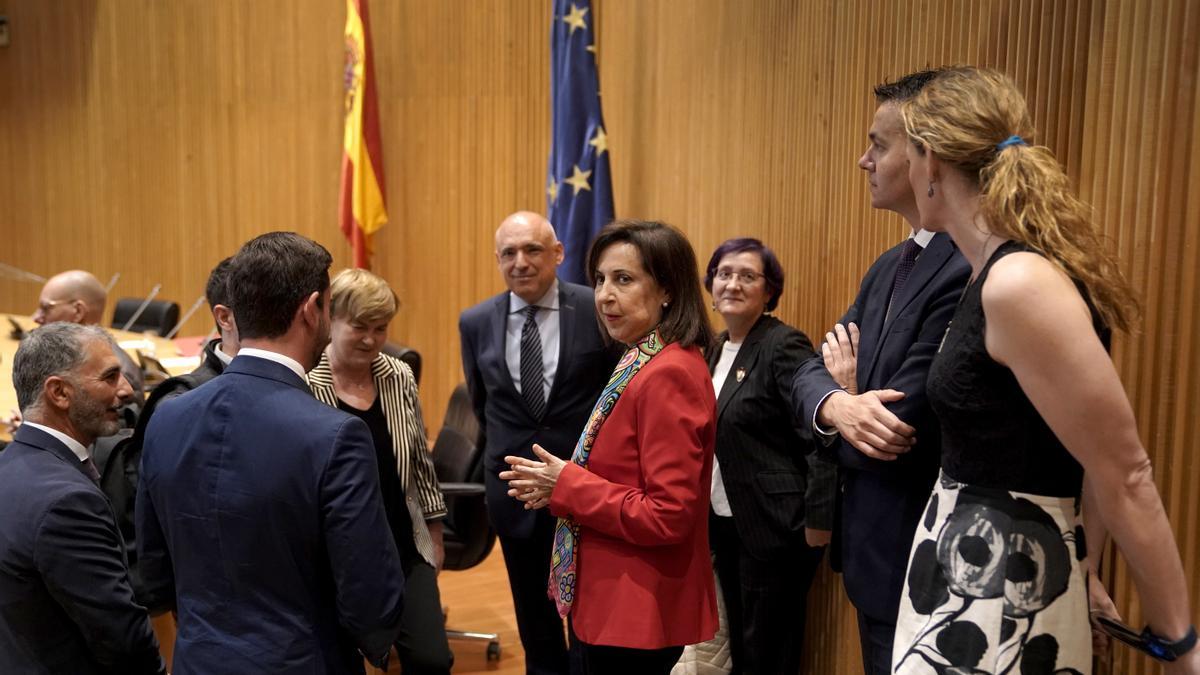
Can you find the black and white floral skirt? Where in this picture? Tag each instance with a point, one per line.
(994, 585)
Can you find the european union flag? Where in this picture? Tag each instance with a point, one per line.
(579, 185)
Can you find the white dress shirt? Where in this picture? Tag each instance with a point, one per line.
(547, 319)
(75, 446)
(720, 500)
(224, 358)
(292, 364)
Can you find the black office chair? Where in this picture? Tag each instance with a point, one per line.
(460, 415)
(406, 354)
(160, 316)
(467, 534)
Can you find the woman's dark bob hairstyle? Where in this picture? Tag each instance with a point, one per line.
(772, 270)
(669, 259)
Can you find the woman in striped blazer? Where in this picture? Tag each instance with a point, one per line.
(354, 376)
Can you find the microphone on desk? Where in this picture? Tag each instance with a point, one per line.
(112, 281)
(22, 275)
(142, 307)
(187, 315)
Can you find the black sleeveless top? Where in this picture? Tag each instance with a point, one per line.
(992, 436)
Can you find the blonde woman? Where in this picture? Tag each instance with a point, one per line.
(1030, 406)
(354, 376)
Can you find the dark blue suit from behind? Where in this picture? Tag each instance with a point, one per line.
(66, 604)
(259, 518)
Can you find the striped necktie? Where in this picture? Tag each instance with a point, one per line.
(531, 364)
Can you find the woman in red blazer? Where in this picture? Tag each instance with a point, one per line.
(631, 564)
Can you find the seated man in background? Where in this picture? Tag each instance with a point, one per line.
(120, 475)
(66, 605)
(76, 296)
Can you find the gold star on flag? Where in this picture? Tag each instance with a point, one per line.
(591, 48)
(552, 190)
(599, 141)
(579, 180)
(575, 19)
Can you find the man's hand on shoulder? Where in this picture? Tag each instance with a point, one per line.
(865, 422)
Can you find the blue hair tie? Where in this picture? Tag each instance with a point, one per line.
(1011, 140)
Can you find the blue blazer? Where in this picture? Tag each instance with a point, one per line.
(585, 363)
(66, 605)
(882, 501)
(259, 519)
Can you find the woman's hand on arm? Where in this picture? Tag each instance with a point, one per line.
(530, 481)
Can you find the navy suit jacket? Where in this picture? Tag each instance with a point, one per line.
(585, 363)
(259, 518)
(882, 501)
(66, 605)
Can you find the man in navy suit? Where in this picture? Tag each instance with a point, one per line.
(535, 363)
(877, 419)
(66, 604)
(258, 511)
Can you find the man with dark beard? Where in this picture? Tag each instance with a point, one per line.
(258, 510)
(66, 604)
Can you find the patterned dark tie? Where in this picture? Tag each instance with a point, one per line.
(90, 469)
(531, 364)
(908, 258)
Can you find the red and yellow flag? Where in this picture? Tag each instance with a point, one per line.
(362, 206)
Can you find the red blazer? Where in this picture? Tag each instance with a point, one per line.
(644, 571)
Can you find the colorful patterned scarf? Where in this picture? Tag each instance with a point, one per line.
(566, 535)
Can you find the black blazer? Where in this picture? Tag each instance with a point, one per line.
(585, 362)
(66, 605)
(774, 481)
(119, 476)
(882, 501)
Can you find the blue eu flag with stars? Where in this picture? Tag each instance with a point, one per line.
(579, 184)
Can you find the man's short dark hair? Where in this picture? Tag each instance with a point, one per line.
(270, 277)
(216, 291)
(670, 260)
(906, 87)
(772, 270)
(57, 348)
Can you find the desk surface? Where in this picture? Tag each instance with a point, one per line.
(152, 345)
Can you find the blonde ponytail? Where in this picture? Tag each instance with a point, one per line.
(962, 116)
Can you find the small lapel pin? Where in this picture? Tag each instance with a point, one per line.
(741, 374)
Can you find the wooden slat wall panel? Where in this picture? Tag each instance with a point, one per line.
(151, 138)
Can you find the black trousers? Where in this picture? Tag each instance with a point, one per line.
(541, 629)
(422, 645)
(765, 600)
(876, 638)
(605, 660)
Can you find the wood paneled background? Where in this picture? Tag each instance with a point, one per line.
(152, 138)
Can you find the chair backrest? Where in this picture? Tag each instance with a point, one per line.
(160, 316)
(460, 415)
(468, 536)
(406, 354)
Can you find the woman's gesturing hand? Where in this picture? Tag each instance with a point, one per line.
(532, 481)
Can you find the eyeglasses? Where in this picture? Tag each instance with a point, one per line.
(45, 307)
(746, 277)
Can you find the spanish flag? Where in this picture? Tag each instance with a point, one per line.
(363, 205)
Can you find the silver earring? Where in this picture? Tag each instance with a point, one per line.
(665, 305)
(930, 193)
